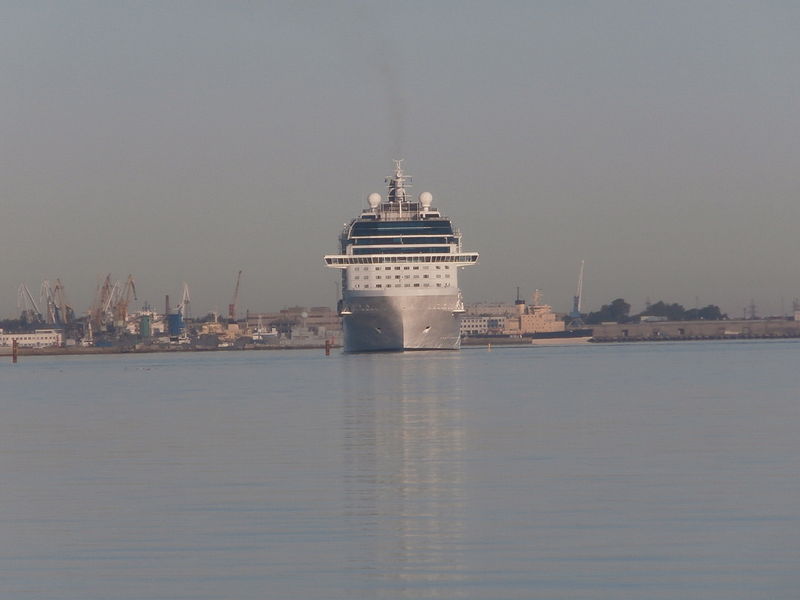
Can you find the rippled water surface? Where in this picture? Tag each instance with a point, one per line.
(643, 471)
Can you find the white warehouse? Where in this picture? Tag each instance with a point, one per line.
(41, 338)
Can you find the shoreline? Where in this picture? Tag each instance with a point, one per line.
(91, 350)
(468, 342)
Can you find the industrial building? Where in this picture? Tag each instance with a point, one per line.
(514, 320)
(482, 325)
(41, 338)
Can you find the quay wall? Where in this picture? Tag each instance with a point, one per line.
(696, 330)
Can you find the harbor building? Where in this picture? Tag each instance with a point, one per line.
(514, 320)
(482, 325)
(485, 309)
(41, 338)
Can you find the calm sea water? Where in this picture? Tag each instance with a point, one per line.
(642, 471)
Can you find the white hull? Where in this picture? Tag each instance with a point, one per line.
(386, 323)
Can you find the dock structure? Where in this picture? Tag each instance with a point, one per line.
(695, 330)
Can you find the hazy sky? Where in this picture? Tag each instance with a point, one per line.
(183, 141)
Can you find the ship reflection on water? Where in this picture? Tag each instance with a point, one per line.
(404, 470)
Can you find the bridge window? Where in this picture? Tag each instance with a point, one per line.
(427, 227)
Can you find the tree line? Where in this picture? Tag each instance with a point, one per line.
(618, 311)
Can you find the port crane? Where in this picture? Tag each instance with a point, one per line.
(54, 301)
(186, 301)
(110, 302)
(26, 305)
(48, 301)
(235, 299)
(123, 294)
(101, 298)
(65, 312)
(575, 318)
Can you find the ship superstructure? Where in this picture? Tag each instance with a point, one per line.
(400, 260)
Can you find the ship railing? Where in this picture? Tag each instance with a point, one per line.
(342, 261)
(397, 211)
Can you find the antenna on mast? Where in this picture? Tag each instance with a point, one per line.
(396, 184)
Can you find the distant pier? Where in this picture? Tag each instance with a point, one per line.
(654, 331)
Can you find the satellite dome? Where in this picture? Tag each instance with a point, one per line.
(426, 198)
(374, 200)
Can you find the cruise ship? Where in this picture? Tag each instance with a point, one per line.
(399, 261)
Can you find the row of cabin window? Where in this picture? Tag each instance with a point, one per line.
(447, 276)
(388, 285)
(368, 260)
(427, 267)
